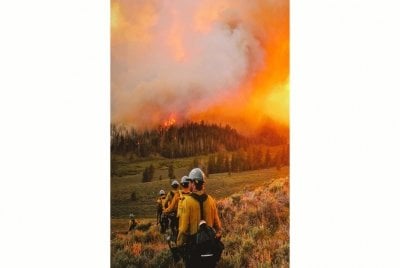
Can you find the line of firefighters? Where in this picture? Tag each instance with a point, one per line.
(192, 217)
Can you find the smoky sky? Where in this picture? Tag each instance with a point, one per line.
(181, 58)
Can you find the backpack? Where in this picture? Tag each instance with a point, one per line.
(204, 246)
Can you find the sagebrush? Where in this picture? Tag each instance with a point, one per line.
(255, 233)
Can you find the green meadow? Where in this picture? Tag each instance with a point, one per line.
(143, 205)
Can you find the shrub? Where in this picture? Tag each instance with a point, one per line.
(117, 244)
(236, 199)
(232, 243)
(230, 261)
(121, 259)
(256, 227)
(252, 216)
(247, 247)
(162, 259)
(255, 233)
(281, 255)
(153, 235)
(258, 233)
(143, 226)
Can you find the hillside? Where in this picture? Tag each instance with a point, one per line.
(219, 185)
(255, 224)
(190, 139)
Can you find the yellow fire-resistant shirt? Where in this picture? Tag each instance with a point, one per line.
(161, 201)
(169, 197)
(190, 217)
(176, 204)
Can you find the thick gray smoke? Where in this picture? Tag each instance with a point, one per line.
(178, 57)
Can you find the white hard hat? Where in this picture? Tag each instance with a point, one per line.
(197, 174)
(185, 179)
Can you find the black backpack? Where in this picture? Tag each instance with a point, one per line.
(204, 246)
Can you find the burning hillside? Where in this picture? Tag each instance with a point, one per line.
(190, 138)
(218, 61)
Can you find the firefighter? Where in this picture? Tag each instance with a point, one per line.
(161, 219)
(191, 220)
(171, 194)
(175, 206)
(132, 222)
(173, 220)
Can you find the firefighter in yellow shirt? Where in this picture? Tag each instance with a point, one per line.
(191, 219)
(171, 194)
(175, 207)
(173, 221)
(161, 219)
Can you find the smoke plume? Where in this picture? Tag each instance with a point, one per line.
(219, 61)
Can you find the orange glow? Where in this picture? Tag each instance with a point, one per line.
(128, 28)
(265, 95)
(158, 46)
(169, 122)
(204, 17)
(175, 39)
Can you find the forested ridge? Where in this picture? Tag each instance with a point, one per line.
(189, 139)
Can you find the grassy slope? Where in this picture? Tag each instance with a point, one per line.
(255, 232)
(218, 185)
(124, 167)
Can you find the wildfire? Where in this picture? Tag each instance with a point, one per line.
(170, 122)
(218, 61)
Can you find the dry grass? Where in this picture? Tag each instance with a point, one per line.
(256, 232)
(218, 185)
(257, 227)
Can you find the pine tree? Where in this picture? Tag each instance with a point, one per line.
(226, 163)
(211, 164)
(267, 161)
(219, 163)
(146, 175)
(151, 172)
(171, 174)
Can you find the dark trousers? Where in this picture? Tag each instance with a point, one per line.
(174, 227)
(200, 263)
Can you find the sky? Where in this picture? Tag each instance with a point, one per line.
(219, 61)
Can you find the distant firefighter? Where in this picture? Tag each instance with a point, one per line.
(161, 218)
(172, 208)
(132, 222)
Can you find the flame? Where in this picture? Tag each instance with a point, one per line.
(177, 57)
(266, 94)
(169, 122)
